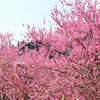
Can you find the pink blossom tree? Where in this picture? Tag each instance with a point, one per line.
(74, 75)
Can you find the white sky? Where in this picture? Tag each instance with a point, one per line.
(14, 13)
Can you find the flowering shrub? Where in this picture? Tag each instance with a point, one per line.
(66, 77)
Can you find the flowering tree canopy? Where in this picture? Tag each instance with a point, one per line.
(72, 72)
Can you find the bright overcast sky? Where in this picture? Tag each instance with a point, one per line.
(14, 13)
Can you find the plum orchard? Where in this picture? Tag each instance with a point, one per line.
(33, 76)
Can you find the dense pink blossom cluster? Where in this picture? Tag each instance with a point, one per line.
(74, 76)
